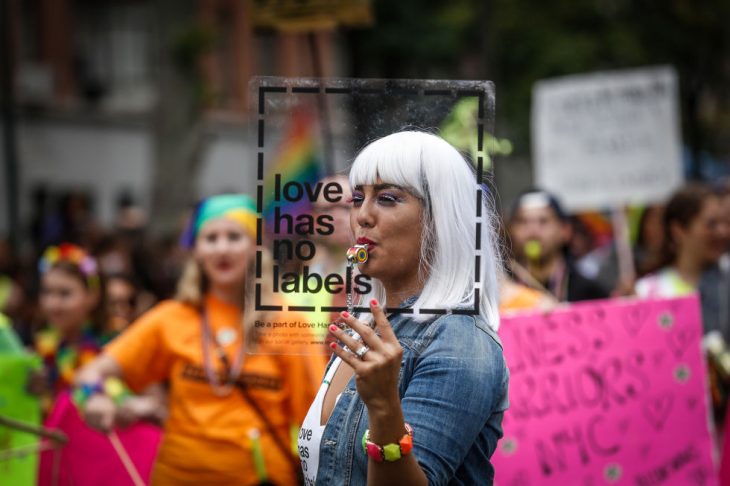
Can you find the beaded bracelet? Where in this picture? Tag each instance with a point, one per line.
(111, 387)
(84, 391)
(389, 452)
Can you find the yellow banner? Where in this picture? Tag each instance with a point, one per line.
(309, 15)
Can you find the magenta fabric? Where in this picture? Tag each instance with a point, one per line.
(611, 392)
(89, 457)
(725, 459)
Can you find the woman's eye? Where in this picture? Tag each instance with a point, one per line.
(388, 199)
(234, 236)
(210, 238)
(356, 199)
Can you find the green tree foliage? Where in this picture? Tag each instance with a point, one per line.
(533, 40)
(518, 42)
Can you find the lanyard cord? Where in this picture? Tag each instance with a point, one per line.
(230, 374)
(559, 283)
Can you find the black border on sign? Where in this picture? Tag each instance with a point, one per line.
(320, 90)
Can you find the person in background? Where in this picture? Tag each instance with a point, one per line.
(13, 300)
(695, 237)
(73, 306)
(122, 299)
(73, 303)
(649, 239)
(329, 256)
(231, 413)
(714, 286)
(516, 297)
(540, 231)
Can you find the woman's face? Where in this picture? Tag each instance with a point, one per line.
(224, 251)
(389, 219)
(65, 301)
(653, 228)
(120, 295)
(706, 235)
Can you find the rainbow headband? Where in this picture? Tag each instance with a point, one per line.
(67, 252)
(236, 207)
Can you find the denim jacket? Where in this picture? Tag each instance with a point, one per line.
(453, 391)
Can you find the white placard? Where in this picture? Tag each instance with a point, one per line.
(607, 139)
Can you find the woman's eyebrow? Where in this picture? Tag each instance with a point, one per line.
(379, 187)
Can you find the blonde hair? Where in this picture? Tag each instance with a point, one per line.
(193, 285)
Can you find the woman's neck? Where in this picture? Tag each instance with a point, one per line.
(689, 268)
(73, 333)
(395, 294)
(230, 294)
(544, 270)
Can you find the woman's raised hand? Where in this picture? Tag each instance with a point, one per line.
(377, 365)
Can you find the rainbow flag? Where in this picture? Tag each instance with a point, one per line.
(297, 159)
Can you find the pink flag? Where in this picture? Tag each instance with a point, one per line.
(89, 458)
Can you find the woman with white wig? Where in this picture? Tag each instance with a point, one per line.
(417, 387)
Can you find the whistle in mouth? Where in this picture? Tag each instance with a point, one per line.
(357, 254)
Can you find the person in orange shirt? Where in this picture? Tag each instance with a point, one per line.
(231, 411)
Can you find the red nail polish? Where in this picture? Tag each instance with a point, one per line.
(373, 302)
(333, 328)
(333, 345)
(345, 314)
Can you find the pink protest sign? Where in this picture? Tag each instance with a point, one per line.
(607, 393)
(89, 458)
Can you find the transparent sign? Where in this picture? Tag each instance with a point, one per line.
(308, 132)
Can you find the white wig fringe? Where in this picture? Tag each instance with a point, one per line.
(429, 167)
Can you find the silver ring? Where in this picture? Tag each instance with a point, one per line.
(360, 353)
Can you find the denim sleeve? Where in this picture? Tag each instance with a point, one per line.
(456, 384)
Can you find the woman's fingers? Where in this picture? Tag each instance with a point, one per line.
(346, 339)
(366, 332)
(346, 356)
(382, 324)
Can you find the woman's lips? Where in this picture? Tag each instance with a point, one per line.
(365, 241)
(223, 266)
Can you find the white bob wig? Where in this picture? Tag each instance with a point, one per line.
(459, 238)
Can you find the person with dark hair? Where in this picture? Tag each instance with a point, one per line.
(695, 237)
(122, 292)
(72, 303)
(540, 232)
(694, 240)
(649, 239)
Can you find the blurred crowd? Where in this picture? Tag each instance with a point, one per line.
(677, 247)
(104, 279)
(137, 269)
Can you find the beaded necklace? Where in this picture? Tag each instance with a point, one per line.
(63, 357)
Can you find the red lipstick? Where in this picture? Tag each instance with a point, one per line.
(365, 241)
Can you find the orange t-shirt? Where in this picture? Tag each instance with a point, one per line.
(207, 437)
(516, 297)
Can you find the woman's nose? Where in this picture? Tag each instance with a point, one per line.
(364, 215)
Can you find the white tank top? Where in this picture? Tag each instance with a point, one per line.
(310, 435)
